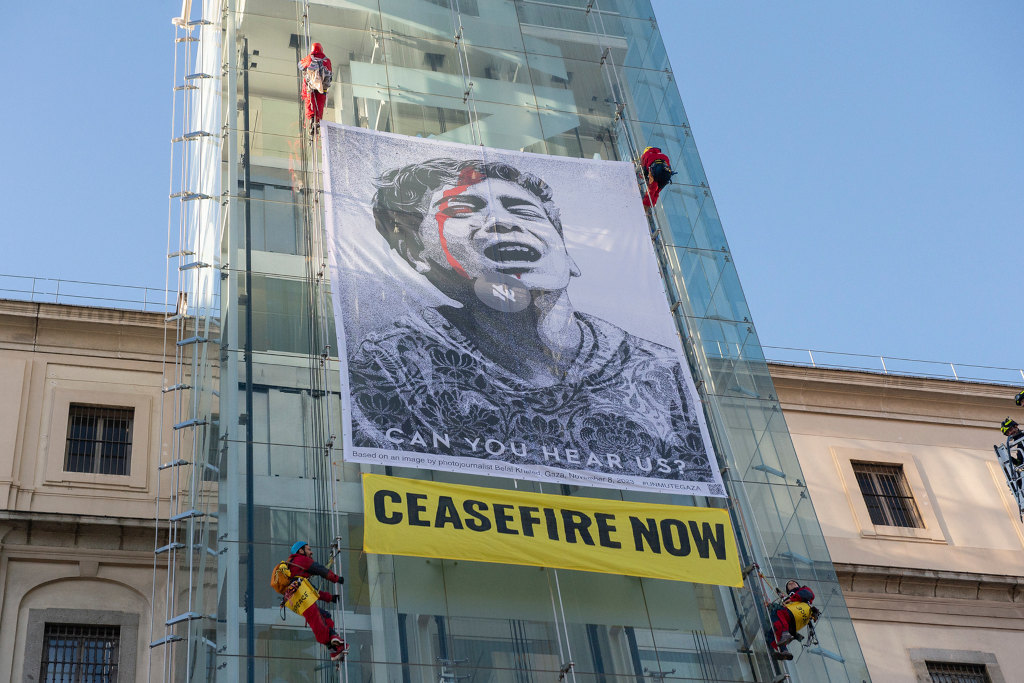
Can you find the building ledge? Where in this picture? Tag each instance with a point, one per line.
(70, 312)
(869, 580)
(64, 519)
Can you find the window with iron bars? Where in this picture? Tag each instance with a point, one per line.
(99, 439)
(887, 495)
(953, 672)
(79, 653)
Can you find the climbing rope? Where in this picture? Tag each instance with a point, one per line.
(621, 123)
(766, 584)
(322, 429)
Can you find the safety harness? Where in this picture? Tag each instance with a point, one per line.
(803, 613)
(297, 593)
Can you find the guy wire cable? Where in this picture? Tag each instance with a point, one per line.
(468, 97)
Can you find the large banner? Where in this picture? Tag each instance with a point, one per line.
(502, 313)
(434, 519)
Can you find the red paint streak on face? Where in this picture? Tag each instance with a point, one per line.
(467, 178)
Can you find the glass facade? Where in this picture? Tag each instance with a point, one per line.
(577, 78)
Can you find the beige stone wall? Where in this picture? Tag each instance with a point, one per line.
(85, 564)
(74, 543)
(953, 586)
(52, 356)
(78, 544)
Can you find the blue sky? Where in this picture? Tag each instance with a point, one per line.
(867, 161)
(86, 118)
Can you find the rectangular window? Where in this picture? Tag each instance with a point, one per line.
(99, 439)
(887, 495)
(79, 653)
(951, 672)
(280, 314)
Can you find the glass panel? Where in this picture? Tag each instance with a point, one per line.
(600, 632)
(280, 314)
(538, 85)
(432, 19)
(440, 68)
(276, 215)
(432, 116)
(573, 135)
(572, 86)
(493, 24)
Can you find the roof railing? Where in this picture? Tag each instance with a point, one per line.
(82, 293)
(48, 290)
(892, 365)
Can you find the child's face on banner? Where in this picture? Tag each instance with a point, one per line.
(495, 226)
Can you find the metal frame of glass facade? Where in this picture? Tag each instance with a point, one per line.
(261, 465)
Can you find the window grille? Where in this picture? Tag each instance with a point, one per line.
(78, 653)
(99, 439)
(887, 495)
(952, 672)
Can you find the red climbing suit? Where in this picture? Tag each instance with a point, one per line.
(792, 616)
(651, 156)
(314, 101)
(319, 620)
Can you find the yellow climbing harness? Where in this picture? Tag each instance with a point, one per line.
(801, 612)
(301, 596)
(298, 592)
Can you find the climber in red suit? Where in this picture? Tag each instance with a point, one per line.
(794, 612)
(657, 174)
(316, 79)
(302, 600)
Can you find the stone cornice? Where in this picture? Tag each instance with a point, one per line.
(894, 397)
(870, 580)
(89, 314)
(84, 331)
(60, 519)
(824, 377)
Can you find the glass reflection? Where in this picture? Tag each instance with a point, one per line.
(539, 84)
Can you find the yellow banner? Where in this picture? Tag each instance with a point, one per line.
(432, 519)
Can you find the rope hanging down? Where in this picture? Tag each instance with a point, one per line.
(321, 437)
(611, 74)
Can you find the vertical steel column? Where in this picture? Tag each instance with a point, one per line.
(250, 584)
(228, 664)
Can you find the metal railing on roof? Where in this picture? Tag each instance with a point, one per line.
(82, 293)
(891, 365)
(47, 290)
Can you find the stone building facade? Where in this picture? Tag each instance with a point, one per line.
(926, 536)
(80, 446)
